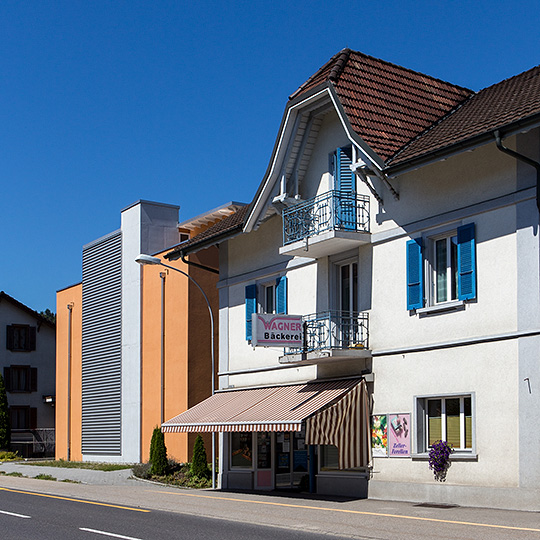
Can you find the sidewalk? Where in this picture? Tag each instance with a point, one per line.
(342, 517)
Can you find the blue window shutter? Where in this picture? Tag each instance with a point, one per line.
(415, 274)
(345, 179)
(251, 307)
(466, 259)
(281, 294)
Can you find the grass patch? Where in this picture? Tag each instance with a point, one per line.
(45, 477)
(81, 465)
(178, 474)
(67, 480)
(14, 473)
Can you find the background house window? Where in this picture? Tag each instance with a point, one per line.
(21, 338)
(448, 419)
(20, 379)
(23, 417)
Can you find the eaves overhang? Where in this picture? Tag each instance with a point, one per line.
(465, 145)
(316, 97)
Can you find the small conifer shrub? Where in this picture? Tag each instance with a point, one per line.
(158, 453)
(199, 465)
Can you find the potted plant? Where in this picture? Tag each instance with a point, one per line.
(439, 459)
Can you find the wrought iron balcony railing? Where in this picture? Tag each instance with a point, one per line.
(334, 330)
(334, 210)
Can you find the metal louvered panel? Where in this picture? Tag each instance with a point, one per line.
(102, 347)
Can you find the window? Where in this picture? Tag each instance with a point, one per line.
(269, 297)
(446, 418)
(241, 449)
(23, 417)
(448, 261)
(20, 379)
(443, 269)
(21, 338)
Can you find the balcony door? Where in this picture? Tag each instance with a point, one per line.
(347, 324)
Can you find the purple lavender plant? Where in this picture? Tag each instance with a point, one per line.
(439, 459)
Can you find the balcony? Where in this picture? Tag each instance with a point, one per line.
(331, 335)
(327, 224)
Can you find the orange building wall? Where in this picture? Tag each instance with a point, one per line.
(187, 358)
(71, 295)
(175, 355)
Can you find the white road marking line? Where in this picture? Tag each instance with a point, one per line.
(104, 533)
(12, 514)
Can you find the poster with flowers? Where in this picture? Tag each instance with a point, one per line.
(399, 436)
(379, 436)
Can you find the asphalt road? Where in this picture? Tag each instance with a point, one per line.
(29, 516)
(146, 511)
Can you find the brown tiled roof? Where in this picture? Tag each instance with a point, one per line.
(224, 228)
(503, 104)
(387, 105)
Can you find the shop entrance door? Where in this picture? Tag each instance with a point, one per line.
(291, 459)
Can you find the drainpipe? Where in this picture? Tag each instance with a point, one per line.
(162, 385)
(523, 158)
(70, 321)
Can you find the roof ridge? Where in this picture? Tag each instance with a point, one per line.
(508, 79)
(339, 65)
(410, 70)
(300, 89)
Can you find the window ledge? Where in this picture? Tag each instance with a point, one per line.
(456, 456)
(440, 308)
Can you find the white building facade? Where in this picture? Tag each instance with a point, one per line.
(415, 269)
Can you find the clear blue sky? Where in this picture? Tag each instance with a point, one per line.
(103, 103)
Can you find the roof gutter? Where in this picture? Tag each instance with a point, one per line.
(520, 157)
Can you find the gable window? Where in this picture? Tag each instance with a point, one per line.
(446, 418)
(441, 268)
(20, 338)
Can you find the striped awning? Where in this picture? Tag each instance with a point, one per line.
(344, 424)
(279, 408)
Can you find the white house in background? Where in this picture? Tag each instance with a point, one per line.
(395, 221)
(27, 358)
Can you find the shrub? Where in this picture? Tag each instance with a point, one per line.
(199, 465)
(158, 453)
(9, 456)
(5, 431)
(439, 459)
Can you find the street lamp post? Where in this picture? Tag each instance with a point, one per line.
(143, 259)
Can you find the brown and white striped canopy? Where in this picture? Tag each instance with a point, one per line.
(345, 425)
(280, 408)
